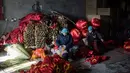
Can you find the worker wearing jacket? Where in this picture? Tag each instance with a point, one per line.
(94, 38)
(65, 39)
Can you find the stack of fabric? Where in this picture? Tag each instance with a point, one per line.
(51, 64)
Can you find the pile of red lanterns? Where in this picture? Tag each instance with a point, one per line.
(81, 29)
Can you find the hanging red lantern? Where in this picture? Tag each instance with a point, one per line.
(95, 22)
(76, 35)
(81, 24)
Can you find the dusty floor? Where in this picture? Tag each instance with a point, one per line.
(118, 63)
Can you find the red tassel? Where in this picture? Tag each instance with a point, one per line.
(51, 64)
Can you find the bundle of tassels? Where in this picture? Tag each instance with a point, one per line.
(97, 59)
(30, 17)
(51, 64)
(127, 45)
(14, 37)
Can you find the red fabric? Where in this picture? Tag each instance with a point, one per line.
(26, 20)
(55, 46)
(95, 22)
(81, 24)
(32, 16)
(97, 59)
(51, 64)
(76, 35)
(14, 37)
(53, 26)
(39, 52)
(127, 45)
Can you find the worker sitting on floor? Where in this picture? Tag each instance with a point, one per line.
(65, 40)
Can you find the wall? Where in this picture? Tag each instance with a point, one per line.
(19, 8)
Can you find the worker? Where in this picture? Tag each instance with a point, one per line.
(65, 40)
(94, 38)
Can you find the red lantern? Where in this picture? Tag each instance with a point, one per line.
(84, 32)
(81, 24)
(76, 35)
(95, 22)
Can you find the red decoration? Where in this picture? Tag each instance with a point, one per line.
(127, 45)
(84, 32)
(51, 64)
(97, 59)
(95, 22)
(55, 46)
(53, 26)
(75, 33)
(16, 35)
(81, 24)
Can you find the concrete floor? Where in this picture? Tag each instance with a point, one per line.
(118, 63)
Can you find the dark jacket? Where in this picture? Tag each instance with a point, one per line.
(64, 40)
(94, 36)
